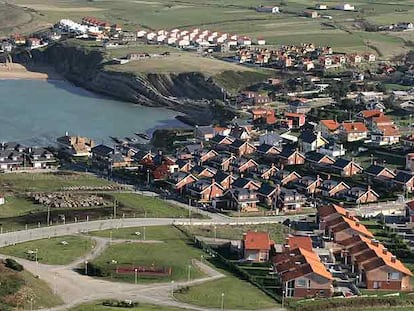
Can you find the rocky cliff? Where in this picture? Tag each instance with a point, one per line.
(185, 92)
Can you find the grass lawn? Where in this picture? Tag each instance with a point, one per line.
(23, 182)
(142, 307)
(52, 251)
(17, 206)
(176, 252)
(277, 231)
(160, 233)
(140, 206)
(238, 294)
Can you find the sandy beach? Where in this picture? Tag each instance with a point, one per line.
(17, 71)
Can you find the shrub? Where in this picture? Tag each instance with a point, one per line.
(120, 304)
(13, 264)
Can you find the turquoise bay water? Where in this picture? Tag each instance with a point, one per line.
(37, 112)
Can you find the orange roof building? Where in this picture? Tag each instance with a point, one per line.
(354, 127)
(256, 246)
(331, 125)
(303, 274)
(303, 242)
(377, 267)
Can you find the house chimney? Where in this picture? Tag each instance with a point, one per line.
(385, 251)
(369, 188)
(328, 177)
(375, 242)
(393, 259)
(282, 166)
(357, 223)
(347, 214)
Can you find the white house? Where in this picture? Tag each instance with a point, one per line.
(2, 199)
(320, 6)
(268, 9)
(141, 33)
(151, 36)
(261, 41)
(345, 7)
(183, 43)
(244, 41)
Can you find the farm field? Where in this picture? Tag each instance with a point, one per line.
(285, 28)
(174, 251)
(53, 251)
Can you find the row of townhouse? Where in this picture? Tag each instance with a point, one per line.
(376, 267)
(196, 37)
(14, 156)
(299, 269)
(304, 273)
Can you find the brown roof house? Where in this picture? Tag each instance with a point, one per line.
(347, 168)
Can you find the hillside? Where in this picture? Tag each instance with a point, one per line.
(22, 289)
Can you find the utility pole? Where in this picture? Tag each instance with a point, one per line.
(115, 202)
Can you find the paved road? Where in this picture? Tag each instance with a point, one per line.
(10, 238)
(75, 289)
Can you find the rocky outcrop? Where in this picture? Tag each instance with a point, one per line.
(185, 92)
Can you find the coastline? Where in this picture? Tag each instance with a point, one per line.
(19, 72)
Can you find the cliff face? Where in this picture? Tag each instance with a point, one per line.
(184, 92)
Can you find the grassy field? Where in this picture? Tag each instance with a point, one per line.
(178, 63)
(277, 231)
(176, 252)
(17, 206)
(52, 251)
(160, 233)
(238, 294)
(142, 307)
(23, 182)
(141, 206)
(19, 288)
(341, 32)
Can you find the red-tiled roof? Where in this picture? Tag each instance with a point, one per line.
(332, 125)
(257, 241)
(368, 114)
(303, 242)
(351, 127)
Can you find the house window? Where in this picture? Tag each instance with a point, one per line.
(392, 276)
(376, 285)
(301, 283)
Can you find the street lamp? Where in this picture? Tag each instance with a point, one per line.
(86, 267)
(189, 273)
(172, 288)
(222, 301)
(136, 276)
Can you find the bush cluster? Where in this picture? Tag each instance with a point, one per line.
(13, 264)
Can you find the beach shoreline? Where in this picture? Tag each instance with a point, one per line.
(19, 72)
